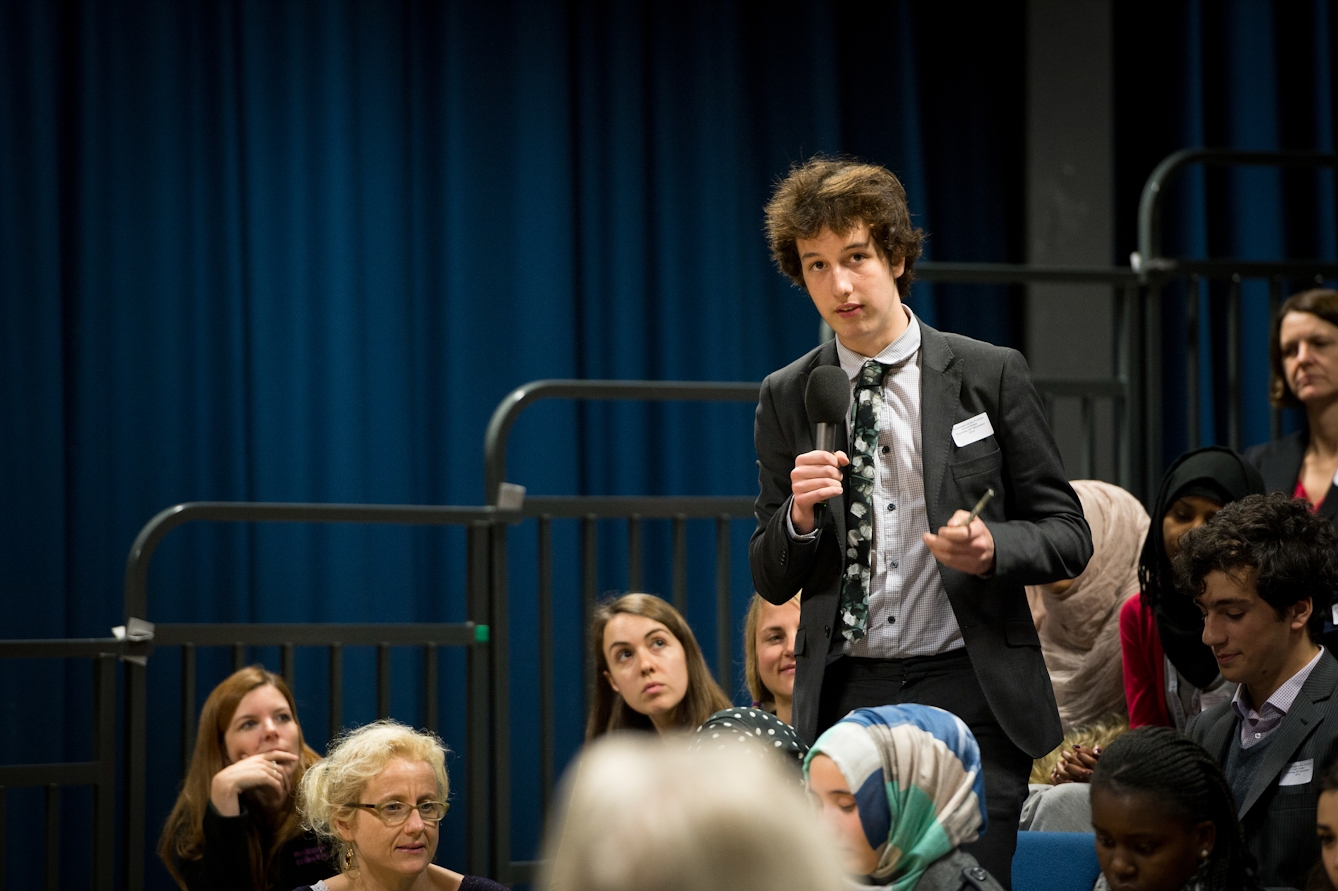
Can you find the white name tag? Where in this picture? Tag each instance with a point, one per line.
(972, 430)
(1298, 773)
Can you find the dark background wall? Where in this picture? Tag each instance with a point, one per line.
(284, 251)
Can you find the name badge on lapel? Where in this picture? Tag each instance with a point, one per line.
(972, 430)
(1298, 773)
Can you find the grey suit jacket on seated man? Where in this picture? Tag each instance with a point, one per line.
(1278, 812)
(1039, 531)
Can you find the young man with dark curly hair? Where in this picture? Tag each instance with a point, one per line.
(902, 600)
(1262, 571)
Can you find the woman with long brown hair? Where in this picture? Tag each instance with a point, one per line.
(235, 824)
(651, 672)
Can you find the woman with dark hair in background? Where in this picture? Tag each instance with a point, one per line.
(235, 825)
(651, 672)
(1170, 675)
(1304, 354)
(1165, 819)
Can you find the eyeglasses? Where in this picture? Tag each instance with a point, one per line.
(393, 813)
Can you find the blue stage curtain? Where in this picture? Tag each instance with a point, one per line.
(1235, 74)
(286, 251)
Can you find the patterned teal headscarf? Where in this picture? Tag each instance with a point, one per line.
(915, 773)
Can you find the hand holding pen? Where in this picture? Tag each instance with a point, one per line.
(966, 543)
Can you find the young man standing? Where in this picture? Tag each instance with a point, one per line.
(1262, 570)
(903, 602)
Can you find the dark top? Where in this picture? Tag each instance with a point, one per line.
(1279, 463)
(1279, 821)
(226, 864)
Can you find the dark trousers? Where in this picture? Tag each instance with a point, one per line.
(948, 682)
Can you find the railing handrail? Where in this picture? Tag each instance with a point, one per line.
(1150, 259)
(504, 416)
(141, 552)
(1022, 274)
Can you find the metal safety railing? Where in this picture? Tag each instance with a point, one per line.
(429, 637)
(1214, 285)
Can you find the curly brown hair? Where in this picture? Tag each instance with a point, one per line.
(1321, 302)
(1277, 541)
(839, 194)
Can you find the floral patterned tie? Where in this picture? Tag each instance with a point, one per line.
(859, 510)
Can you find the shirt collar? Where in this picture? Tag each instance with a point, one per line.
(1282, 697)
(895, 353)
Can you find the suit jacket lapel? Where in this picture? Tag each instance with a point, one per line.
(837, 506)
(940, 394)
(1302, 718)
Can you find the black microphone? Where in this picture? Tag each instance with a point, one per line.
(827, 401)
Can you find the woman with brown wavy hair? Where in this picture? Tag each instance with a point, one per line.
(652, 674)
(235, 824)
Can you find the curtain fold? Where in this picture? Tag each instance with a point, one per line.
(290, 252)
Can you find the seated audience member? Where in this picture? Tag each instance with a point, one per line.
(1324, 875)
(1169, 675)
(377, 800)
(234, 825)
(1055, 803)
(1164, 818)
(1079, 619)
(768, 654)
(756, 730)
(1262, 571)
(639, 812)
(654, 676)
(901, 786)
(1304, 354)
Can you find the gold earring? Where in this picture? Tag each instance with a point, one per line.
(1203, 855)
(348, 859)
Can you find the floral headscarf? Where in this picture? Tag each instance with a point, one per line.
(915, 773)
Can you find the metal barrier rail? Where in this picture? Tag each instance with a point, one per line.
(478, 523)
(1158, 271)
(100, 773)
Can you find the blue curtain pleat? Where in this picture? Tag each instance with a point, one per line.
(283, 251)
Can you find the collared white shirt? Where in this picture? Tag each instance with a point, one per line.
(909, 612)
(1258, 725)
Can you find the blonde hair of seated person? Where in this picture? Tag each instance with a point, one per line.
(645, 812)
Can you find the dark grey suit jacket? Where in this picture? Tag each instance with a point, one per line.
(1279, 821)
(1039, 531)
(1279, 463)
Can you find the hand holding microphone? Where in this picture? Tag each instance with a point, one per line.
(816, 476)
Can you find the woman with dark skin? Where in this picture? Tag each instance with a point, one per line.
(1164, 818)
(1170, 675)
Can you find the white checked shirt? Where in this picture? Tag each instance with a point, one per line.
(1256, 726)
(909, 613)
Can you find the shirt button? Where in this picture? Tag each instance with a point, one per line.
(893, 563)
(886, 449)
(1258, 736)
(891, 506)
(891, 620)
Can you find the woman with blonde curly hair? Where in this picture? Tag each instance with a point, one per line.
(235, 825)
(377, 800)
(651, 672)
